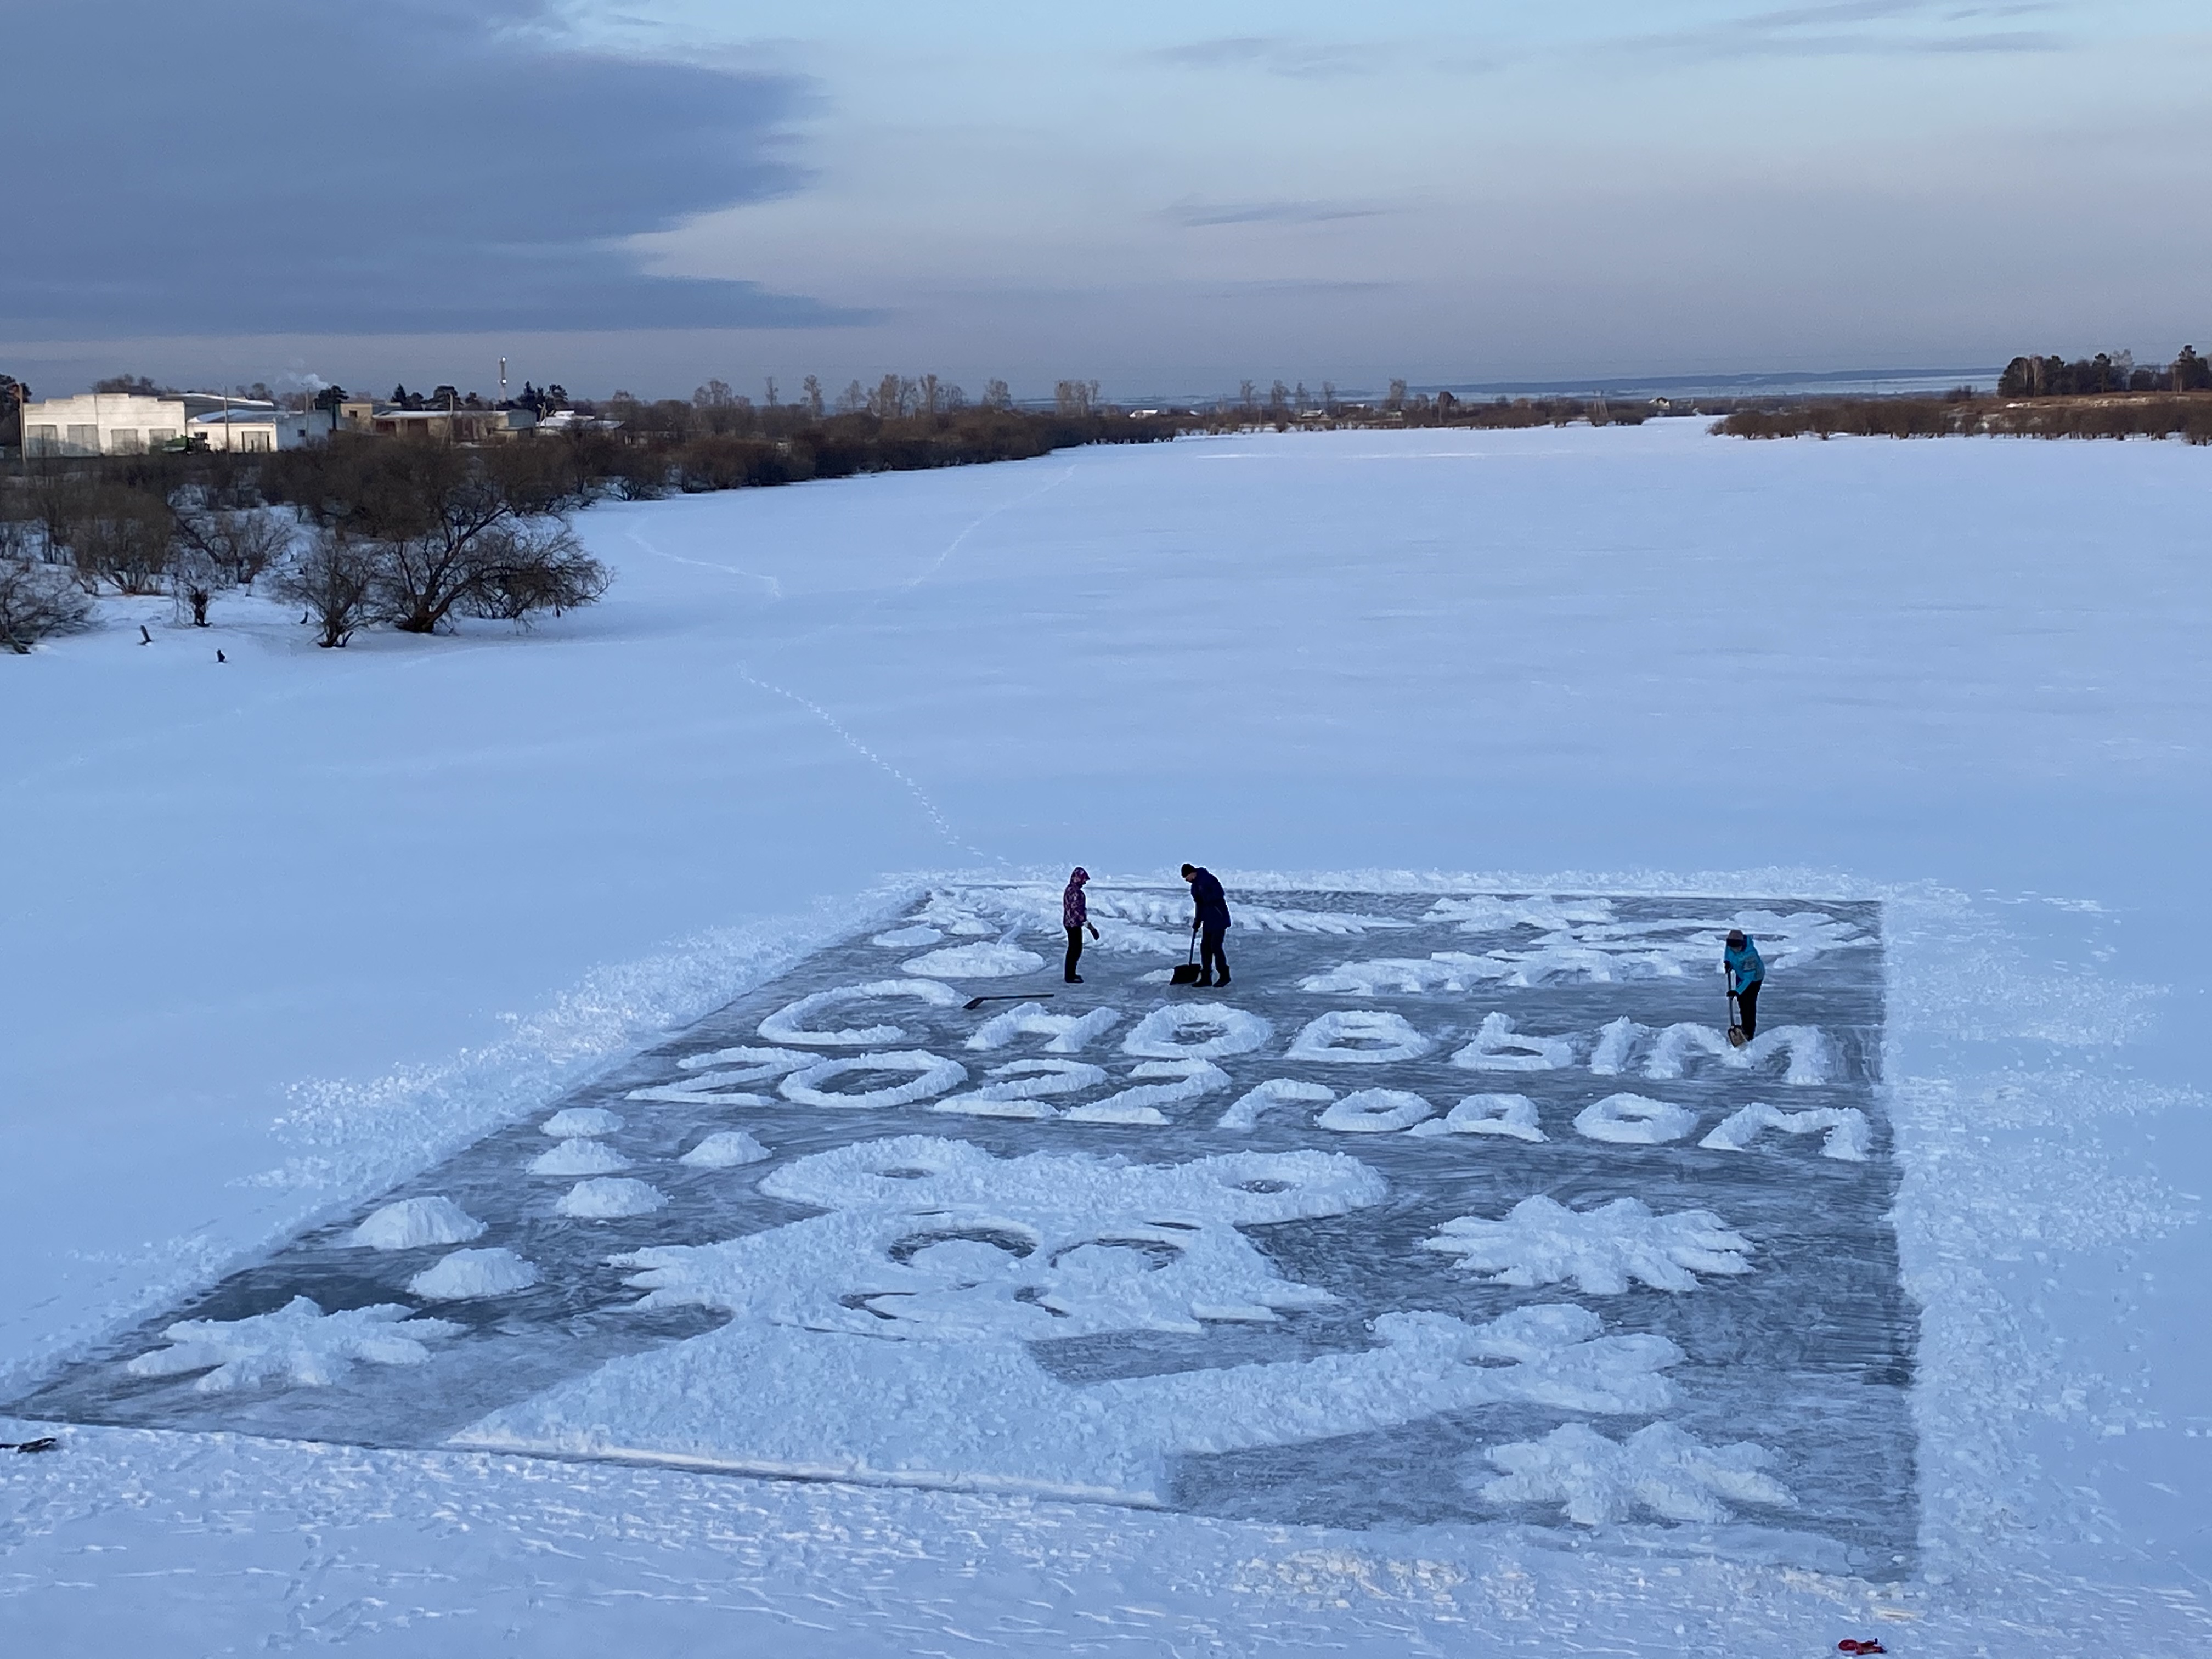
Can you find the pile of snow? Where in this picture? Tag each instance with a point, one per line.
(933, 1075)
(788, 1023)
(575, 1120)
(298, 1345)
(578, 1158)
(1541, 1241)
(465, 1274)
(1359, 1036)
(976, 962)
(1660, 1470)
(1159, 1034)
(725, 1149)
(413, 1223)
(610, 1200)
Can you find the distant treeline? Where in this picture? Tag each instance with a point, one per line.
(2054, 377)
(1957, 416)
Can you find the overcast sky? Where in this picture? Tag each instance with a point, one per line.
(1167, 198)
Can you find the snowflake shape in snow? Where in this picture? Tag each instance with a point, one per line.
(298, 1345)
(1659, 1469)
(1541, 1241)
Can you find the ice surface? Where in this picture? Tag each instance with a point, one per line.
(974, 962)
(577, 1120)
(414, 1223)
(906, 938)
(578, 1157)
(1600, 1250)
(1659, 1470)
(297, 1345)
(468, 1274)
(610, 1199)
(725, 1149)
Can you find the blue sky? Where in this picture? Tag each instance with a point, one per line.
(1166, 198)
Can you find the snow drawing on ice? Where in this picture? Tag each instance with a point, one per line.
(935, 1264)
(1165, 1245)
(725, 1149)
(1541, 1241)
(465, 1274)
(1359, 1036)
(1846, 1126)
(610, 1200)
(414, 1223)
(976, 962)
(299, 1344)
(1634, 1120)
(788, 1023)
(1159, 1034)
(1659, 1470)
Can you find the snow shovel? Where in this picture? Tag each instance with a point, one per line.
(973, 1003)
(1187, 974)
(1736, 1038)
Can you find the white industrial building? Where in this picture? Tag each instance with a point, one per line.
(136, 423)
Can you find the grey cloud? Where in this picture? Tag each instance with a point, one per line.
(386, 166)
(1199, 214)
(1857, 28)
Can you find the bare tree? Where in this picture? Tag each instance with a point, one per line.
(1396, 399)
(334, 578)
(811, 391)
(853, 399)
(1075, 397)
(38, 601)
(997, 395)
(528, 567)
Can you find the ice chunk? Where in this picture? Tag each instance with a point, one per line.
(466, 1274)
(724, 1149)
(1376, 1111)
(610, 1200)
(1498, 1048)
(933, 1075)
(1512, 1116)
(1634, 1120)
(1070, 1033)
(788, 1024)
(1160, 1033)
(413, 1223)
(1846, 1126)
(1385, 1037)
(1244, 1114)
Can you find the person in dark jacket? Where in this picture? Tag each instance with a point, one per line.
(1745, 972)
(1209, 920)
(1075, 916)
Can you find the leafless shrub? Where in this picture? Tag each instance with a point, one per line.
(533, 568)
(334, 577)
(38, 601)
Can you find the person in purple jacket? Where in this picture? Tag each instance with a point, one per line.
(1075, 916)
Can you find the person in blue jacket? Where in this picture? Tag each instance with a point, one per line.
(1209, 920)
(1746, 973)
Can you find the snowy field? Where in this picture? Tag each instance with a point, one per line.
(297, 937)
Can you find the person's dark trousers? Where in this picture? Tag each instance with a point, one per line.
(1746, 1000)
(1211, 965)
(1074, 953)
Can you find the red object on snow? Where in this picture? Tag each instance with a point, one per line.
(1850, 1645)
